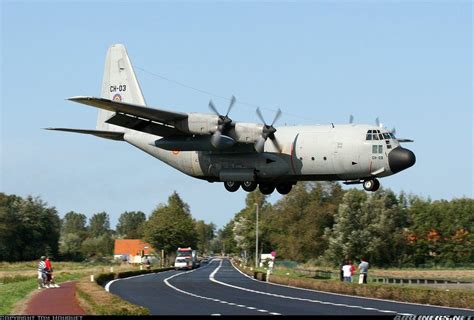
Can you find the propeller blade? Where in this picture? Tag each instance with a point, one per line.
(393, 131)
(259, 114)
(260, 144)
(215, 139)
(213, 107)
(377, 122)
(276, 144)
(351, 119)
(232, 102)
(277, 116)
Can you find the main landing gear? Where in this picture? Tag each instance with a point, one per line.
(264, 187)
(371, 185)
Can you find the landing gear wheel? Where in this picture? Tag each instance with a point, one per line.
(377, 185)
(371, 185)
(266, 188)
(284, 188)
(231, 186)
(249, 186)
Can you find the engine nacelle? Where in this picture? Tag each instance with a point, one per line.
(198, 123)
(247, 132)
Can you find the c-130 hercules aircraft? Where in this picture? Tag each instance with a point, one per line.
(213, 147)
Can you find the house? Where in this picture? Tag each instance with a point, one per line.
(132, 250)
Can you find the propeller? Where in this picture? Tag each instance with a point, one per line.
(377, 122)
(351, 119)
(223, 124)
(268, 131)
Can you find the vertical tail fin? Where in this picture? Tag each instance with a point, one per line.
(119, 83)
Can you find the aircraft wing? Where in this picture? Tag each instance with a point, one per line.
(112, 135)
(158, 115)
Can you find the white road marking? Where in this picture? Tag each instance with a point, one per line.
(107, 286)
(347, 295)
(203, 297)
(212, 278)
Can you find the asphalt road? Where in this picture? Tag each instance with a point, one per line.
(219, 289)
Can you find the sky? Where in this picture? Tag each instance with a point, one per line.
(408, 63)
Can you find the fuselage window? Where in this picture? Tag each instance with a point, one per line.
(380, 149)
(374, 148)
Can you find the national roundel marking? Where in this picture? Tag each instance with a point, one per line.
(175, 152)
(117, 97)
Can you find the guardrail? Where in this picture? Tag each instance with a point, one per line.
(324, 274)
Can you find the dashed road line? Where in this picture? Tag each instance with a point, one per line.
(166, 281)
(212, 278)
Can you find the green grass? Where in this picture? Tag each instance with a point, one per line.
(14, 291)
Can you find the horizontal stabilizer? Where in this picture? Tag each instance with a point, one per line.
(159, 115)
(112, 135)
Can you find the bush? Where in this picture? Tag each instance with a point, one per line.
(127, 274)
(103, 278)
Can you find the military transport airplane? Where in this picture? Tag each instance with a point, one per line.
(213, 147)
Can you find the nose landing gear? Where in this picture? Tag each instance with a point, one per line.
(371, 185)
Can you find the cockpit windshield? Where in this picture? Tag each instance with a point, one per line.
(377, 135)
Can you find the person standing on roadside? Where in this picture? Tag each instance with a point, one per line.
(364, 270)
(42, 273)
(341, 272)
(49, 275)
(347, 271)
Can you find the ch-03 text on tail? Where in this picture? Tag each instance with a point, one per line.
(213, 147)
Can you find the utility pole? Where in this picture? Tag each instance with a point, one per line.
(256, 236)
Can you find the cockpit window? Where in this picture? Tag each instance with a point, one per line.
(392, 135)
(386, 135)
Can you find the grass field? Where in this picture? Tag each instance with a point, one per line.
(18, 280)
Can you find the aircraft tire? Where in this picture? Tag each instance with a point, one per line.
(249, 186)
(371, 185)
(231, 186)
(377, 185)
(284, 188)
(266, 188)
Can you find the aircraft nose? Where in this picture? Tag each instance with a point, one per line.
(400, 158)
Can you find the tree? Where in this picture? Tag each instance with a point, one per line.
(225, 240)
(99, 224)
(244, 224)
(296, 224)
(28, 228)
(130, 225)
(205, 234)
(100, 246)
(70, 246)
(74, 223)
(171, 226)
(370, 227)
